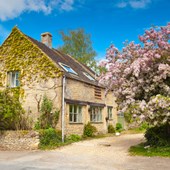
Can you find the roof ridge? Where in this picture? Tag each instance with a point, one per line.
(15, 27)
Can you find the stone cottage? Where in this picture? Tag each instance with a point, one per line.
(35, 68)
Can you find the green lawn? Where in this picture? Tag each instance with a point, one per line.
(151, 151)
(133, 131)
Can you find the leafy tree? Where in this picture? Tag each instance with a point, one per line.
(139, 75)
(78, 44)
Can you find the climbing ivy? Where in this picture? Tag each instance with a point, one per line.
(19, 53)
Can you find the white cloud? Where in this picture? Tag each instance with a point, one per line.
(136, 4)
(122, 4)
(67, 5)
(3, 34)
(10, 9)
(139, 4)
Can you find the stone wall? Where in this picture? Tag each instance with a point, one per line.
(33, 95)
(76, 90)
(19, 140)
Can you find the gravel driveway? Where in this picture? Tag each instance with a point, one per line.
(99, 154)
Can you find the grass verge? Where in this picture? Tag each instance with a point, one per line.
(67, 141)
(140, 150)
(51, 138)
(54, 146)
(134, 131)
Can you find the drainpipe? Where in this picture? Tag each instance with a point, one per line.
(63, 108)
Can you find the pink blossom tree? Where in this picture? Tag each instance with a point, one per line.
(139, 76)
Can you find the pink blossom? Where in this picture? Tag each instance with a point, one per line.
(103, 63)
(157, 55)
(139, 72)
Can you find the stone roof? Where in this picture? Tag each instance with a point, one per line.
(61, 58)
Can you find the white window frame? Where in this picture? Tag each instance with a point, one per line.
(75, 113)
(110, 112)
(88, 76)
(13, 79)
(72, 71)
(120, 114)
(96, 114)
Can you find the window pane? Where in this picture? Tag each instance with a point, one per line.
(70, 117)
(109, 112)
(100, 117)
(94, 117)
(17, 83)
(97, 117)
(80, 109)
(16, 74)
(75, 117)
(88, 76)
(75, 109)
(79, 117)
(91, 117)
(13, 79)
(71, 109)
(79, 114)
(69, 69)
(111, 115)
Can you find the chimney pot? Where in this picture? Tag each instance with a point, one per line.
(46, 38)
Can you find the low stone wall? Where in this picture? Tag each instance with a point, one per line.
(19, 140)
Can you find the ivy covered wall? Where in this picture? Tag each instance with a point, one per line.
(38, 74)
(18, 53)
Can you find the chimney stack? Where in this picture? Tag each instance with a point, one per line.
(46, 38)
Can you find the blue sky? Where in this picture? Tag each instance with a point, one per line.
(108, 21)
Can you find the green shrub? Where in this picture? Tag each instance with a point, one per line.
(89, 130)
(128, 116)
(140, 129)
(50, 138)
(119, 127)
(48, 117)
(158, 135)
(74, 138)
(111, 129)
(144, 126)
(11, 111)
(37, 125)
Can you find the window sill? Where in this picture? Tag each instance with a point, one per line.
(76, 123)
(110, 119)
(96, 122)
(8, 87)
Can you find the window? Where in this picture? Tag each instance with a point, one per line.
(89, 76)
(67, 68)
(75, 113)
(96, 114)
(13, 78)
(97, 92)
(109, 111)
